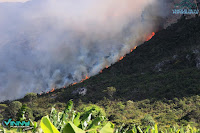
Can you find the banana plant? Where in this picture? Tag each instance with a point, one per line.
(48, 127)
(70, 121)
(154, 129)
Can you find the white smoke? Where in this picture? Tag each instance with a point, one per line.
(48, 44)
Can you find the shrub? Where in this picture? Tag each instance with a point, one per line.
(97, 110)
(30, 97)
(130, 104)
(21, 112)
(14, 108)
(3, 106)
(110, 91)
(38, 113)
(1, 117)
(148, 120)
(29, 114)
(120, 105)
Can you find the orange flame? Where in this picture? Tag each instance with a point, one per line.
(149, 37)
(133, 48)
(121, 58)
(105, 67)
(74, 83)
(52, 90)
(80, 81)
(85, 78)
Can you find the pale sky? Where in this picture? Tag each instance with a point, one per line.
(13, 1)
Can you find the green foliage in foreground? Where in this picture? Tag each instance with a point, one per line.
(70, 121)
(91, 120)
(21, 116)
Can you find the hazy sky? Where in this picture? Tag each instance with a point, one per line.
(13, 0)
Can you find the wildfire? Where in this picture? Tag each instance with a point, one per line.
(74, 83)
(52, 90)
(149, 37)
(121, 58)
(85, 78)
(133, 48)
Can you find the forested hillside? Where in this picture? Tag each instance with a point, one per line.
(158, 82)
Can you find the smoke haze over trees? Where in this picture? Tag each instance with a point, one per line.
(50, 44)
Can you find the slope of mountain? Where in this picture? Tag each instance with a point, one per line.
(160, 78)
(167, 66)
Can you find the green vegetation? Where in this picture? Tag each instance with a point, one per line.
(14, 108)
(110, 91)
(91, 121)
(70, 121)
(74, 122)
(30, 97)
(159, 82)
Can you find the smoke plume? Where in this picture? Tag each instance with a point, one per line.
(48, 44)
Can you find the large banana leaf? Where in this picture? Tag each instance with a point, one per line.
(71, 128)
(108, 128)
(95, 124)
(76, 119)
(53, 116)
(47, 126)
(131, 131)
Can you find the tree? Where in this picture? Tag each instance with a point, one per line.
(14, 107)
(30, 97)
(148, 120)
(21, 112)
(110, 91)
